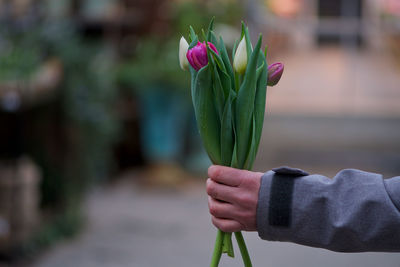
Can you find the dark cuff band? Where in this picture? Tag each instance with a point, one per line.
(280, 203)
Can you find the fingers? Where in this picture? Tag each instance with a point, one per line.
(226, 175)
(226, 225)
(220, 191)
(221, 209)
(233, 198)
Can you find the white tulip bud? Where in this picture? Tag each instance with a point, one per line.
(240, 60)
(183, 48)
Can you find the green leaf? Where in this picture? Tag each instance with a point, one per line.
(203, 33)
(260, 99)
(193, 38)
(212, 38)
(218, 92)
(226, 83)
(210, 34)
(249, 46)
(193, 76)
(242, 31)
(234, 162)
(234, 49)
(266, 51)
(225, 59)
(259, 111)
(245, 107)
(210, 58)
(217, 59)
(248, 165)
(223, 76)
(259, 71)
(211, 25)
(227, 133)
(206, 114)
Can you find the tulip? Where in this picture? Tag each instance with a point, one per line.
(183, 48)
(197, 56)
(240, 60)
(274, 73)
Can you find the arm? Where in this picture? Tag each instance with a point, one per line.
(353, 212)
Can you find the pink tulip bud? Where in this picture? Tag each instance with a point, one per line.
(274, 73)
(197, 56)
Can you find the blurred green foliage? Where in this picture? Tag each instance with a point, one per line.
(155, 58)
(18, 59)
(198, 14)
(81, 114)
(66, 224)
(155, 65)
(87, 95)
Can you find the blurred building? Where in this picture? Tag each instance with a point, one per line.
(351, 23)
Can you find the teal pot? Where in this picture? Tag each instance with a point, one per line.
(164, 115)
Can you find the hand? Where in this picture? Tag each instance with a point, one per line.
(233, 197)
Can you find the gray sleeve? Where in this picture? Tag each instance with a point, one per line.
(355, 211)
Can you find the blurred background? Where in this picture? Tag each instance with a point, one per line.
(100, 160)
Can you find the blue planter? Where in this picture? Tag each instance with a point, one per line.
(164, 115)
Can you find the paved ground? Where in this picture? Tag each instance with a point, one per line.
(331, 111)
(133, 226)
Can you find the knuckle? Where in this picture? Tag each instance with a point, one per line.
(215, 172)
(213, 209)
(246, 200)
(215, 222)
(243, 199)
(211, 170)
(253, 181)
(241, 215)
(243, 177)
(223, 226)
(233, 227)
(209, 187)
(225, 229)
(212, 191)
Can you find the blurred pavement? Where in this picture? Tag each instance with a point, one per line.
(129, 225)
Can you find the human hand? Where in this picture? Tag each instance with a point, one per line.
(233, 197)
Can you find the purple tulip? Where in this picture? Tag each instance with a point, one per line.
(197, 56)
(274, 73)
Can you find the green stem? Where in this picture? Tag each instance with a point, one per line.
(238, 80)
(217, 249)
(243, 249)
(227, 246)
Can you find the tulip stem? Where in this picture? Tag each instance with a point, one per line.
(243, 249)
(238, 80)
(217, 249)
(227, 246)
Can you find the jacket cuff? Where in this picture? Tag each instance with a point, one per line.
(274, 208)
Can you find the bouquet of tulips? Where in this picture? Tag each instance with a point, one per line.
(229, 105)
